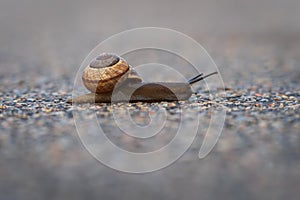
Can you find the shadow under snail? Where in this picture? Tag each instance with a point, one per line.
(110, 79)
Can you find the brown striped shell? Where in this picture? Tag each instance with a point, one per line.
(105, 72)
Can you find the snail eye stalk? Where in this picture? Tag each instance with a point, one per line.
(200, 77)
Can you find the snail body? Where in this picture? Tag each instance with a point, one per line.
(111, 79)
(141, 92)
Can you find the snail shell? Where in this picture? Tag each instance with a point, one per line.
(103, 73)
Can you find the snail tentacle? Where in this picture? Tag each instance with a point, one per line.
(200, 77)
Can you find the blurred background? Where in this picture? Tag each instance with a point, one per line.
(53, 37)
(43, 42)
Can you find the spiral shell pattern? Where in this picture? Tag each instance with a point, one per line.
(103, 73)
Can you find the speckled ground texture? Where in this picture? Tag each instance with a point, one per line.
(256, 46)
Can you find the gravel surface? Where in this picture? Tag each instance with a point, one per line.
(256, 157)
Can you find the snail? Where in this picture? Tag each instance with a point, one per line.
(110, 79)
